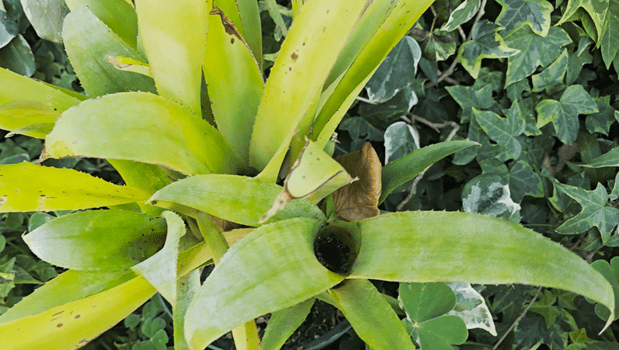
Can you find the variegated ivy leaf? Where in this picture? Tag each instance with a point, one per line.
(503, 131)
(485, 43)
(469, 97)
(400, 139)
(471, 307)
(564, 113)
(551, 79)
(396, 72)
(517, 13)
(490, 195)
(462, 14)
(594, 211)
(535, 50)
(601, 121)
(595, 8)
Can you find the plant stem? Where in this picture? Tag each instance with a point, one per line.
(246, 335)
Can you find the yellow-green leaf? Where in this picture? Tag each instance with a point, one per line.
(371, 316)
(272, 268)
(463, 247)
(30, 187)
(30, 89)
(142, 127)
(233, 80)
(20, 115)
(239, 199)
(174, 37)
(98, 240)
(292, 91)
(392, 29)
(160, 269)
(72, 309)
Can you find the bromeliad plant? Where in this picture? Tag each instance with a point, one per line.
(178, 105)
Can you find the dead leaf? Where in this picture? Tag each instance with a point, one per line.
(359, 200)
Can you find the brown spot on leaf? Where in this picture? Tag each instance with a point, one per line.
(294, 56)
(77, 316)
(289, 68)
(359, 200)
(231, 40)
(59, 325)
(227, 23)
(58, 313)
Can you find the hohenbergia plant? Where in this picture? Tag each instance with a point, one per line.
(188, 151)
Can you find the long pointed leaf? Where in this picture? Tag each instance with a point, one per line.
(371, 315)
(232, 75)
(26, 88)
(283, 323)
(465, 247)
(297, 78)
(98, 240)
(407, 167)
(174, 37)
(118, 15)
(72, 309)
(142, 127)
(272, 268)
(30, 187)
(160, 269)
(394, 27)
(88, 42)
(238, 199)
(17, 115)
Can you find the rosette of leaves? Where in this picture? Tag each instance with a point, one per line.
(186, 148)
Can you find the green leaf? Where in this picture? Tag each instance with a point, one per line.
(400, 140)
(596, 9)
(594, 211)
(118, 15)
(471, 308)
(523, 181)
(8, 29)
(450, 246)
(608, 159)
(503, 131)
(360, 131)
(407, 167)
(535, 51)
(533, 13)
(74, 308)
(20, 115)
(244, 200)
(609, 41)
(160, 269)
(283, 323)
(551, 79)
(386, 113)
(601, 121)
(131, 125)
(469, 97)
(98, 240)
(424, 301)
(272, 268)
(578, 59)
(370, 315)
(462, 14)
(175, 52)
(29, 187)
(88, 42)
(17, 56)
(232, 74)
(611, 273)
(564, 113)
(490, 195)
(46, 17)
(545, 306)
(485, 43)
(439, 333)
(396, 72)
(186, 288)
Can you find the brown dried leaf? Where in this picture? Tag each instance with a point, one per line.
(359, 200)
